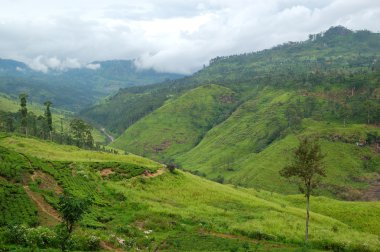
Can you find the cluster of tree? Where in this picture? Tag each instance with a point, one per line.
(41, 126)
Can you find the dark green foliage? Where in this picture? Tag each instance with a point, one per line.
(15, 206)
(171, 167)
(72, 210)
(12, 164)
(81, 133)
(48, 116)
(24, 113)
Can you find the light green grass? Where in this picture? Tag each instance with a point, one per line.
(178, 125)
(239, 149)
(52, 151)
(184, 209)
(225, 209)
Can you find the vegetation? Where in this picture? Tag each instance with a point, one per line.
(234, 122)
(72, 210)
(177, 210)
(307, 168)
(179, 124)
(76, 88)
(326, 87)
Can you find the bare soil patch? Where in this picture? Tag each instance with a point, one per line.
(106, 172)
(155, 174)
(47, 182)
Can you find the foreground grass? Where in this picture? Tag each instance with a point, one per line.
(182, 212)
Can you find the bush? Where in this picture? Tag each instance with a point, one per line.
(171, 167)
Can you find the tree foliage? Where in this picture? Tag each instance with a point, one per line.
(307, 167)
(72, 210)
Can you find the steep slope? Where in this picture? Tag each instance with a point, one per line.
(325, 59)
(179, 124)
(173, 211)
(255, 142)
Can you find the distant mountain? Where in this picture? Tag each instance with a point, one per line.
(327, 86)
(75, 88)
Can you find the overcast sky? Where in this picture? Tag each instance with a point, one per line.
(167, 35)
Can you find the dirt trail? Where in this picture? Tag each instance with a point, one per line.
(152, 175)
(42, 204)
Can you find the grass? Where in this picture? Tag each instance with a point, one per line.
(189, 213)
(52, 151)
(254, 143)
(178, 125)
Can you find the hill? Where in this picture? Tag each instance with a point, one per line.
(165, 211)
(73, 89)
(9, 104)
(333, 59)
(327, 86)
(179, 124)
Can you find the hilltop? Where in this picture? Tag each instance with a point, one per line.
(167, 211)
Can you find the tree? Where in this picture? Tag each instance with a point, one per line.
(48, 116)
(81, 132)
(72, 210)
(307, 167)
(24, 112)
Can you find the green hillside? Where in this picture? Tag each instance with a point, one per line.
(326, 60)
(179, 124)
(327, 86)
(167, 211)
(255, 142)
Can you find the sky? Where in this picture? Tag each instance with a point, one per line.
(178, 36)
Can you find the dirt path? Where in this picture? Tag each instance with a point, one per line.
(42, 204)
(157, 173)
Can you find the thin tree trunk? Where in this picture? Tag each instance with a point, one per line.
(307, 217)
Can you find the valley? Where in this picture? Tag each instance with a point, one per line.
(154, 161)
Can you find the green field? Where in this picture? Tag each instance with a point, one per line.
(184, 212)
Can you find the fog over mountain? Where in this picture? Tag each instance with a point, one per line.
(166, 35)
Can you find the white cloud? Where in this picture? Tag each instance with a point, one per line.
(167, 35)
(93, 66)
(44, 64)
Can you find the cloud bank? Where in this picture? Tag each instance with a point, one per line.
(165, 35)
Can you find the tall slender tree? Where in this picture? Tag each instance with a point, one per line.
(24, 112)
(49, 119)
(307, 168)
